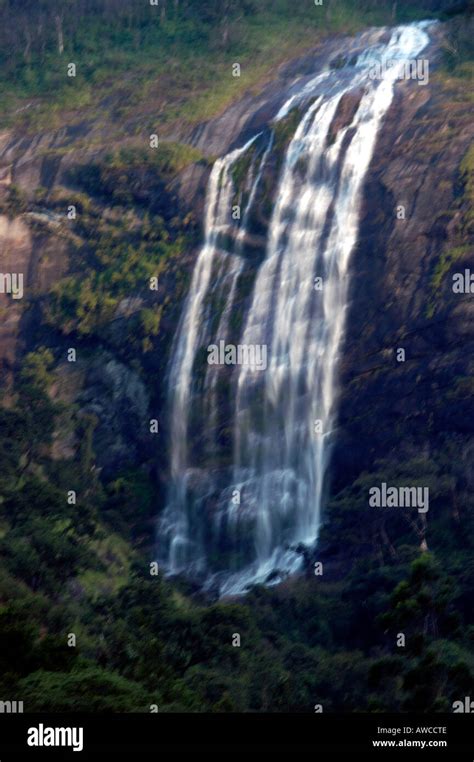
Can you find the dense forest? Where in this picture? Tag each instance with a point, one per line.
(127, 49)
(85, 622)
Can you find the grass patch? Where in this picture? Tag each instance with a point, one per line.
(174, 67)
(169, 158)
(114, 556)
(445, 262)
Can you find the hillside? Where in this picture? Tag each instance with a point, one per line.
(89, 213)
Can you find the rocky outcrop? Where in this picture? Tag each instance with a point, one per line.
(117, 399)
(35, 240)
(399, 408)
(252, 113)
(396, 299)
(17, 251)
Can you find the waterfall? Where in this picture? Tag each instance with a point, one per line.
(250, 446)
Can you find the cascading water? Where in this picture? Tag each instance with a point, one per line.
(250, 445)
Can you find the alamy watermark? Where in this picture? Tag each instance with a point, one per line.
(400, 497)
(12, 283)
(11, 707)
(415, 68)
(464, 706)
(46, 736)
(252, 355)
(463, 283)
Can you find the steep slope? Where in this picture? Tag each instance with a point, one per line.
(85, 425)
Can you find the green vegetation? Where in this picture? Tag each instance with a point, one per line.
(328, 639)
(13, 202)
(240, 168)
(172, 61)
(458, 53)
(463, 211)
(168, 161)
(83, 567)
(125, 233)
(286, 128)
(446, 261)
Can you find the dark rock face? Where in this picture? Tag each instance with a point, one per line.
(345, 113)
(409, 218)
(117, 399)
(252, 113)
(406, 365)
(387, 407)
